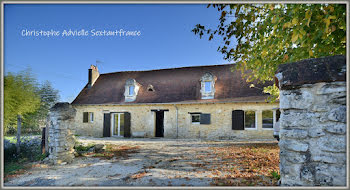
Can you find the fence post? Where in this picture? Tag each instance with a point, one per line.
(19, 125)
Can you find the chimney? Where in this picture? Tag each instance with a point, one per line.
(93, 75)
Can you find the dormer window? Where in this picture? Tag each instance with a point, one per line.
(131, 90)
(150, 88)
(208, 86)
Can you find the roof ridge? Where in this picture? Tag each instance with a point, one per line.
(169, 68)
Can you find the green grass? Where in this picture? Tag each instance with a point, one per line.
(12, 167)
(275, 175)
(80, 147)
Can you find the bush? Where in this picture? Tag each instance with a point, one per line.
(30, 148)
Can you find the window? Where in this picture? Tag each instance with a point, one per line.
(196, 118)
(88, 117)
(150, 88)
(200, 118)
(207, 86)
(267, 119)
(131, 90)
(249, 120)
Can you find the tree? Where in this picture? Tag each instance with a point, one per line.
(19, 96)
(259, 37)
(48, 97)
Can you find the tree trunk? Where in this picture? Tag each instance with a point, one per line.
(19, 125)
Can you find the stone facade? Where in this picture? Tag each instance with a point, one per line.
(143, 120)
(313, 122)
(61, 133)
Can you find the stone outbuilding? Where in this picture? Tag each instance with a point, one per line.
(189, 102)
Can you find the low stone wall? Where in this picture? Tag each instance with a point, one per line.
(61, 133)
(313, 122)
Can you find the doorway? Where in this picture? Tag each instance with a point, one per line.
(118, 124)
(159, 123)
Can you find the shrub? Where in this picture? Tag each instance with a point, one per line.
(275, 175)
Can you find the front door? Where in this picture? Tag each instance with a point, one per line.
(118, 124)
(159, 123)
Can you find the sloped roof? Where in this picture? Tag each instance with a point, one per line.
(177, 85)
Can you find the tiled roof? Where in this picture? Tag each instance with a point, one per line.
(177, 85)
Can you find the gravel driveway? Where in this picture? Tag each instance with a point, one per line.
(158, 162)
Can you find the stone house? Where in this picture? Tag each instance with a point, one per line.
(190, 102)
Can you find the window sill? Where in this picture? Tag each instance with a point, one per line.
(196, 123)
(250, 129)
(269, 129)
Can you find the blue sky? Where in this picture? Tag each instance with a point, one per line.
(166, 40)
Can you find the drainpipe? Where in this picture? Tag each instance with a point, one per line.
(177, 124)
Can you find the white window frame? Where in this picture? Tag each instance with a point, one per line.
(136, 86)
(193, 114)
(208, 77)
(256, 120)
(273, 118)
(113, 124)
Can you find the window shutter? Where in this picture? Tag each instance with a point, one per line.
(127, 124)
(92, 116)
(85, 117)
(205, 118)
(106, 125)
(238, 120)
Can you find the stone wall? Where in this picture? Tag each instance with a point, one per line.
(143, 120)
(313, 122)
(61, 133)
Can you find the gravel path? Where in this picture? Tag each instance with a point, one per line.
(158, 162)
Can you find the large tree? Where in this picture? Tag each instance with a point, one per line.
(259, 37)
(20, 96)
(48, 97)
(24, 96)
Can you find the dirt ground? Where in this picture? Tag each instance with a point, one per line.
(162, 162)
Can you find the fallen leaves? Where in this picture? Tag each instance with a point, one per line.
(139, 175)
(246, 165)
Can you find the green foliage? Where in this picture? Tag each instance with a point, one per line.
(275, 175)
(48, 97)
(30, 151)
(23, 95)
(19, 96)
(268, 35)
(11, 167)
(82, 148)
